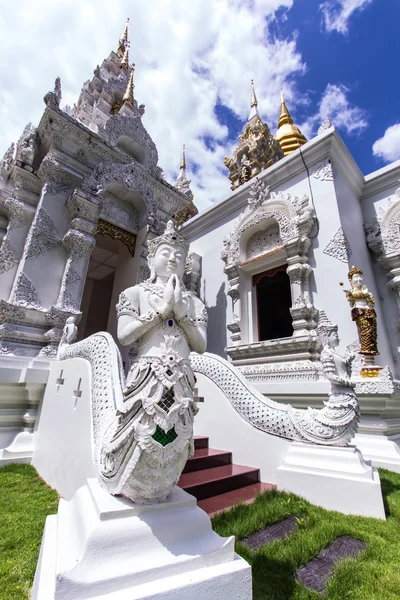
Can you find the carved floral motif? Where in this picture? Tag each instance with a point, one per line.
(339, 247)
(323, 170)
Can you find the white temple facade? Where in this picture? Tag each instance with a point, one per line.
(83, 193)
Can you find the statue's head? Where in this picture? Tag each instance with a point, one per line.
(355, 277)
(327, 331)
(70, 320)
(167, 254)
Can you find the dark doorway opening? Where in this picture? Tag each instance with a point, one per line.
(274, 300)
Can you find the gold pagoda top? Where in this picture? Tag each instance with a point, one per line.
(257, 149)
(288, 135)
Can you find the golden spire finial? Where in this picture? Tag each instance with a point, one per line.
(183, 161)
(127, 98)
(253, 95)
(285, 116)
(288, 135)
(123, 40)
(125, 58)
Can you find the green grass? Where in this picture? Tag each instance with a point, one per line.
(373, 575)
(25, 501)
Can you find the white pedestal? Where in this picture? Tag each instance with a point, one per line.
(335, 478)
(380, 450)
(19, 451)
(103, 547)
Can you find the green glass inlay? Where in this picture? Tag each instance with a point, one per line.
(164, 437)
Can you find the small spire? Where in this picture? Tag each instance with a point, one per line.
(288, 135)
(285, 116)
(127, 98)
(125, 58)
(123, 40)
(253, 95)
(182, 173)
(183, 161)
(253, 103)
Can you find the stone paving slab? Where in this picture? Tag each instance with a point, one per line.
(277, 531)
(315, 574)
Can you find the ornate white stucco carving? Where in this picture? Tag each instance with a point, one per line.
(295, 218)
(119, 212)
(263, 241)
(339, 247)
(333, 425)
(8, 256)
(323, 170)
(43, 236)
(326, 124)
(25, 294)
(118, 126)
(303, 370)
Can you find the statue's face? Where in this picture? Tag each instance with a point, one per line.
(169, 260)
(334, 338)
(356, 280)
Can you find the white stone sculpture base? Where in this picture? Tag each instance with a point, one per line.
(380, 450)
(335, 478)
(19, 451)
(100, 546)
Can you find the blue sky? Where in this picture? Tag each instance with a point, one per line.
(194, 61)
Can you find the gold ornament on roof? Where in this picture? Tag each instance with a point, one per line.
(362, 304)
(125, 58)
(257, 149)
(123, 40)
(288, 135)
(127, 99)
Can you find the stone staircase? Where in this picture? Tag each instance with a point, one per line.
(218, 484)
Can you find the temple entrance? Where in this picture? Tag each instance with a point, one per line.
(274, 300)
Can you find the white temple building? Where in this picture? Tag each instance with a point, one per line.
(80, 195)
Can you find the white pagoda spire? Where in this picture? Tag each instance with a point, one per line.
(253, 103)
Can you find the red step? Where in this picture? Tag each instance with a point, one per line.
(218, 480)
(245, 495)
(200, 441)
(207, 458)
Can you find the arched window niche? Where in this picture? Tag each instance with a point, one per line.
(267, 264)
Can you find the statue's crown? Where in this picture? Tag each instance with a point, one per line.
(170, 236)
(354, 271)
(325, 325)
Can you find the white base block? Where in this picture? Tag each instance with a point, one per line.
(103, 547)
(334, 478)
(19, 451)
(380, 450)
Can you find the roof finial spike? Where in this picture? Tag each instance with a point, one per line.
(282, 97)
(183, 161)
(127, 99)
(253, 95)
(285, 116)
(125, 58)
(123, 40)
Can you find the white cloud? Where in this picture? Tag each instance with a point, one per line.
(335, 105)
(189, 56)
(388, 146)
(337, 13)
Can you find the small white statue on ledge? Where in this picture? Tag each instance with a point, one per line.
(337, 369)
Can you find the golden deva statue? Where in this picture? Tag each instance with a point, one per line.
(363, 313)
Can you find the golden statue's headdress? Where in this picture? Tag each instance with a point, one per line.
(354, 271)
(170, 236)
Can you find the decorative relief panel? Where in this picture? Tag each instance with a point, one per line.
(116, 233)
(42, 236)
(323, 170)
(339, 247)
(25, 294)
(8, 256)
(119, 212)
(263, 242)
